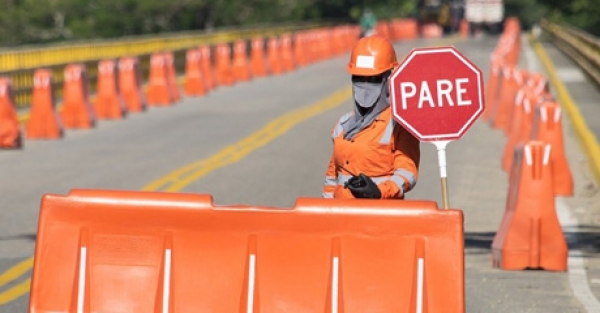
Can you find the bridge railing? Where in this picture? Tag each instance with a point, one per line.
(19, 64)
(581, 46)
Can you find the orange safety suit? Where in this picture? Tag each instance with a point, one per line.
(384, 151)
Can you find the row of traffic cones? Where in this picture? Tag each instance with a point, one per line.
(521, 106)
(119, 86)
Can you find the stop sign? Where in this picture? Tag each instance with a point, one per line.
(436, 93)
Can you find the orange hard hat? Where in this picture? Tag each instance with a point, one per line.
(372, 56)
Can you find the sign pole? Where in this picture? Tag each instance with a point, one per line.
(441, 148)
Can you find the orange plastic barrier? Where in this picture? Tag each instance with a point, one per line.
(207, 68)
(274, 57)
(194, 82)
(109, 104)
(463, 29)
(120, 251)
(547, 126)
(257, 57)
(172, 76)
(223, 70)
(77, 111)
(300, 49)
(159, 89)
(492, 86)
(512, 79)
(10, 129)
(287, 56)
(44, 122)
(240, 66)
(530, 235)
(521, 124)
(130, 84)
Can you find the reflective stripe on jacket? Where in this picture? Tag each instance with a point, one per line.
(384, 151)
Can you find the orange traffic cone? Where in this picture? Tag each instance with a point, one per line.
(240, 68)
(274, 57)
(77, 112)
(530, 235)
(207, 67)
(43, 122)
(10, 129)
(257, 57)
(547, 126)
(287, 56)
(109, 104)
(194, 82)
(159, 90)
(172, 76)
(130, 84)
(223, 65)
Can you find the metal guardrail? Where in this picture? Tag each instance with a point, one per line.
(19, 64)
(582, 47)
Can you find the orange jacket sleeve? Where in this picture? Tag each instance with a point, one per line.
(407, 154)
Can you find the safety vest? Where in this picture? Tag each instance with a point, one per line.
(384, 151)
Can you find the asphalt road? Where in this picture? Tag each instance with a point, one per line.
(267, 142)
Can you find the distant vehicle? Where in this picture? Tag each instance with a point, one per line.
(485, 14)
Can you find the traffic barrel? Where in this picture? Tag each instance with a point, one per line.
(194, 84)
(130, 84)
(207, 67)
(257, 57)
(530, 235)
(240, 66)
(223, 69)
(125, 251)
(77, 111)
(159, 91)
(10, 128)
(44, 122)
(109, 104)
(274, 56)
(547, 126)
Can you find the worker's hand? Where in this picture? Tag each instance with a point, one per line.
(362, 186)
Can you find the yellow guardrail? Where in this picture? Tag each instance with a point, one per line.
(582, 47)
(19, 64)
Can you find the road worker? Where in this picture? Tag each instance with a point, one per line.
(373, 156)
(368, 20)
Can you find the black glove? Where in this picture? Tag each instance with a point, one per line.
(362, 186)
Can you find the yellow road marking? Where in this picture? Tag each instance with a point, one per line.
(16, 271)
(586, 136)
(15, 292)
(182, 177)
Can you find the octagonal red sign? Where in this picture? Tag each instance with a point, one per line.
(436, 93)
